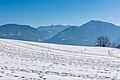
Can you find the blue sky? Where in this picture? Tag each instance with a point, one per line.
(47, 12)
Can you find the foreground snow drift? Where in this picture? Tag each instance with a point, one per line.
(22, 60)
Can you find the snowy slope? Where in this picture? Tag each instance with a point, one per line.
(22, 60)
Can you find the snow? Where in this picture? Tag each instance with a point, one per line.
(22, 60)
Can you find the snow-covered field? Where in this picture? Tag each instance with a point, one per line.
(22, 60)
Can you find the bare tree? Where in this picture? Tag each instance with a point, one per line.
(102, 41)
(116, 45)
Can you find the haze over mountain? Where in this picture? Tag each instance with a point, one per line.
(87, 33)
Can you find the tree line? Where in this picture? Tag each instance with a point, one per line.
(104, 41)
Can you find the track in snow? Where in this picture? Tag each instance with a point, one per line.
(22, 60)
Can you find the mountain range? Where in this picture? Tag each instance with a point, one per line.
(84, 35)
(28, 33)
(87, 33)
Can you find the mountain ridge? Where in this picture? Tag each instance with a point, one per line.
(51, 30)
(20, 32)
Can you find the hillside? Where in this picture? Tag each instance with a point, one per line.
(22, 60)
